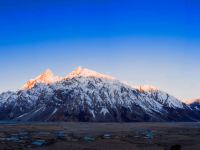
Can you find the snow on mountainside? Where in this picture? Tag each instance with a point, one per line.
(86, 95)
(161, 96)
(7, 96)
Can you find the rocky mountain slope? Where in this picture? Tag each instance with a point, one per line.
(85, 95)
(194, 104)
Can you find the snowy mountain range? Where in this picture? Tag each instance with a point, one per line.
(86, 95)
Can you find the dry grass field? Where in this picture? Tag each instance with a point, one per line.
(100, 136)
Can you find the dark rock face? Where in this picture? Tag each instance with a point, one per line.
(195, 107)
(92, 99)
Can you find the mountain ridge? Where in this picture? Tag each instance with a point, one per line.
(86, 95)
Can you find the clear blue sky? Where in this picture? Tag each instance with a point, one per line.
(153, 42)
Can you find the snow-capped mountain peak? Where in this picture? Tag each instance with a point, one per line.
(86, 95)
(47, 77)
(84, 72)
(47, 74)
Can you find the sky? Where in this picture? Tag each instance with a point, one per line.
(142, 42)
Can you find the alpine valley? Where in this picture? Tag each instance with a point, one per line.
(87, 96)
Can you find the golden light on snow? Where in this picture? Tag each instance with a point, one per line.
(84, 72)
(47, 77)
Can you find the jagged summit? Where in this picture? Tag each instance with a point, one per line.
(46, 74)
(84, 72)
(46, 77)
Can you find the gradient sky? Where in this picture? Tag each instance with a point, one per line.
(153, 42)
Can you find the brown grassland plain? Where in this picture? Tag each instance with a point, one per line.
(99, 136)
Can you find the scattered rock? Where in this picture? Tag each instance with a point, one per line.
(39, 143)
(61, 135)
(147, 134)
(107, 136)
(88, 139)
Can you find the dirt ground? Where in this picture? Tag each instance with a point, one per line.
(99, 136)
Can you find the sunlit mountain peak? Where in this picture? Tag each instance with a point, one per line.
(47, 77)
(84, 72)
